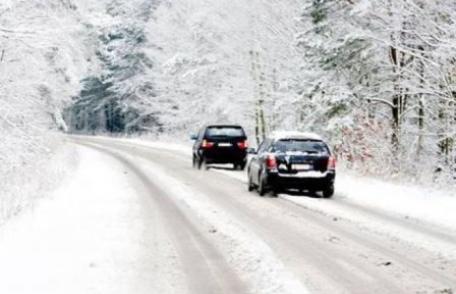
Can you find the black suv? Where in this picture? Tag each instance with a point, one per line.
(220, 144)
(293, 160)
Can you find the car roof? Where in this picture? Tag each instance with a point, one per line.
(223, 126)
(281, 135)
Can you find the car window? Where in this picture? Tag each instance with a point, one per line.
(263, 146)
(308, 146)
(225, 132)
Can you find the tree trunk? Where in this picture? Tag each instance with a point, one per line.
(259, 79)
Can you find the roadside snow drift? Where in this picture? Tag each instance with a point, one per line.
(94, 235)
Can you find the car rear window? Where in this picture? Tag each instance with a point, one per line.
(225, 132)
(308, 146)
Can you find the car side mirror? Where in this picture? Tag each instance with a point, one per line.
(194, 137)
(251, 151)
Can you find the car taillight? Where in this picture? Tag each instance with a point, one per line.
(271, 162)
(207, 144)
(332, 163)
(243, 145)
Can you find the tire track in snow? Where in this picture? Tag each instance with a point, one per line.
(434, 232)
(407, 262)
(249, 256)
(206, 270)
(304, 250)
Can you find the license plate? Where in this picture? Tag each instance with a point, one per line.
(225, 144)
(301, 167)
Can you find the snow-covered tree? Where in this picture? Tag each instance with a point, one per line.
(44, 51)
(120, 97)
(391, 61)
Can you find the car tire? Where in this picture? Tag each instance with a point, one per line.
(200, 163)
(250, 185)
(261, 186)
(275, 192)
(194, 162)
(239, 166)
(204, 165)
(328, 192)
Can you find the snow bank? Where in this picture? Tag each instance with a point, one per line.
(410, 201)
(92, 235)
(44, 47)
(34, 170)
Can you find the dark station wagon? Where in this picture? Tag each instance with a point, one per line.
(220, 144)
(293, 160)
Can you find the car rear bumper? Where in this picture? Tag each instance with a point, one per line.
(224, 156)
(311, 181)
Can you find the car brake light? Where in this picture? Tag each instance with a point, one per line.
(243, 145)
(207, 144)
(271, 162)
(332, 163)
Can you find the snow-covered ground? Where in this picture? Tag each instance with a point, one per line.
(45, 49)
(125, 222)
(400, 207)
(95, 235)
(415, 202)
(410, 201)
(372, 212)
(31, 172)
(251, 257)
(92, 235)
(402, 211)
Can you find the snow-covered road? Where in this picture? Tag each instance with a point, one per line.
(136, 218)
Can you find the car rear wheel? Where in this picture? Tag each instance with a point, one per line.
(328, 192)
(194, 162)
(202, 163)
(239, 165)
(250, 184)
(262, 186)
(275, 192)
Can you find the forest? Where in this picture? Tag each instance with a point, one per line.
(376, 78)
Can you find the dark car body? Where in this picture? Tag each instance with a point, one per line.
(220, 144)
(299, 161)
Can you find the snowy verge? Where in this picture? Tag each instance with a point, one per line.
(410, 201)
(183, 148)
(33, 174)
(92, 235)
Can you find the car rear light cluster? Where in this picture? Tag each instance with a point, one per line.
(207, 144)
(271, 162)
(243, 144)
(332, 163)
